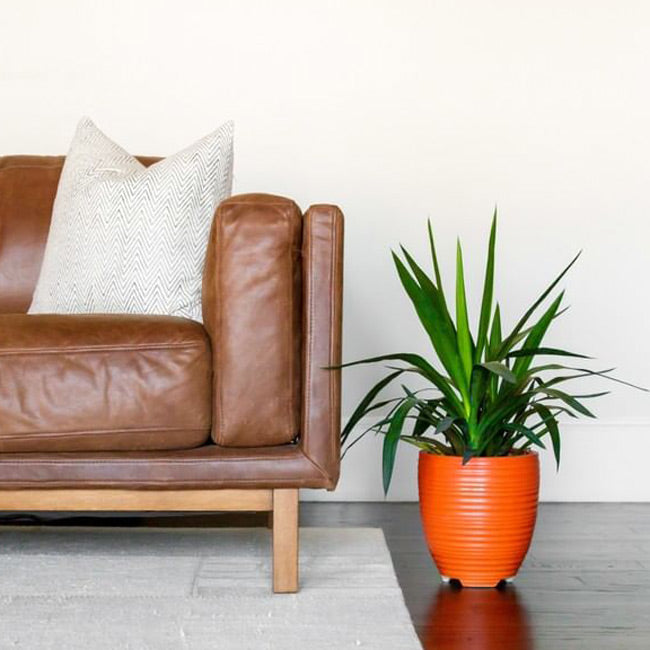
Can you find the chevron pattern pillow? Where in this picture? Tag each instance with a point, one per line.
(126, 238)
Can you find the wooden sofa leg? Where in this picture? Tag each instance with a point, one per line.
(285, 541)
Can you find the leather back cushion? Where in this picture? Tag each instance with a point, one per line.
(252, 311)
(27, 189)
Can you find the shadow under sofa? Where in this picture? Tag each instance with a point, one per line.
(158, 413)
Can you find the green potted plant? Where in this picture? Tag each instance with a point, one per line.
(488, 404)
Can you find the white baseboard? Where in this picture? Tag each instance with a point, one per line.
(601, 461)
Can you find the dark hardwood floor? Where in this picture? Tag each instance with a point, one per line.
(585, 583)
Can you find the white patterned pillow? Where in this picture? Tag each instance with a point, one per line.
(125, 238)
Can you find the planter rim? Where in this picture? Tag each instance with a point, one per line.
(482, 460)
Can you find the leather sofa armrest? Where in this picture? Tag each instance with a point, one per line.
(322, 287)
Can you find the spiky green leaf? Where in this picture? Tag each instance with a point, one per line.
(535, 337)
(550, 422)
(531, 352)
(463, 336)
(366, 403)
(501, 370)
(391, 439)
(434, 259)
(506, 346)
(488, 291)
(436, 321)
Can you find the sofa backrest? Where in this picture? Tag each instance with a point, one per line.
(27, 190)
(252, 296)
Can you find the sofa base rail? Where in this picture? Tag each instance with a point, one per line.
(282, 504)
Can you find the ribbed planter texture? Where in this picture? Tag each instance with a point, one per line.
(478, 518)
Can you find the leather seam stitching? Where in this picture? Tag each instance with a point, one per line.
(310, 338)
(312, 462)
(219, 415)
(333, 257)
(31, 435)
(56, 168)
(144, 460)
(289, 329)
(99, 349)
(283, 204)
(214, 484)
(309, 315)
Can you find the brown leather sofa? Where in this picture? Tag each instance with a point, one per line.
(156, 413)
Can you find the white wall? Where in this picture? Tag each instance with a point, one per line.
(396, 111)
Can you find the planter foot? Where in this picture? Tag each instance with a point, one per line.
(476, 584)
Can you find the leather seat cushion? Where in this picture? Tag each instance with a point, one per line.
(96, 382)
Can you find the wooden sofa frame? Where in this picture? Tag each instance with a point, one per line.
(281, 504)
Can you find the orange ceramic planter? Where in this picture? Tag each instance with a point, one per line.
(478, 518)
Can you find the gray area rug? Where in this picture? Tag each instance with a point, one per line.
(96, 588)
